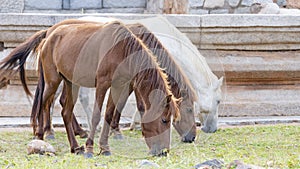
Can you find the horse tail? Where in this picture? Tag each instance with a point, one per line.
(17, 58)
(38, 98)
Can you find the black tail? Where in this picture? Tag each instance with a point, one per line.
(38, 98)
(17, 58)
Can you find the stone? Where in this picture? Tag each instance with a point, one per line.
(213, 164)
(39, 147)
(124, 3)
(263, 1)
(234, 3)
(9, 6)
(281, 3)
(293, 3)
(155, 6)
(242, 10)
(175, 7)
(219, 11)
(87, 4)
(45, 4)
(214, 3)
(147, 164)
(196, 3)
(199, 11)
(269, 8)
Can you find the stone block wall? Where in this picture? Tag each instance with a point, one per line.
(227, 6)
(132, 6)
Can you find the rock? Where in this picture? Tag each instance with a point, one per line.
(270, 8)
(210, 164)
(124, 3)
(234, 3)
(247, 2)
(147, 163)
(264, 8)
(9, 6)
(240, 165)
(45, 4)
(293, 3)
(214, 3)
(87, 4)
(196, 3)
(39, 147)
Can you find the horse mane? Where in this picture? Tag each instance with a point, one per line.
(143, 60)
(166, 61)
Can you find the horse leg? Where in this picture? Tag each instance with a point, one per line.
(115, 104)
(136, 119)
(78, 130)
(48, 128)
(49, 131)
(49, 92)
(84, 100)
(71, 94)
(100, 95)
(115, 126)
(117, 134)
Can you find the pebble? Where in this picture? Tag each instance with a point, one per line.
(40, 147)
(147, 163)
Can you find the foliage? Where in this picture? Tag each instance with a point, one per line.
(267, 146)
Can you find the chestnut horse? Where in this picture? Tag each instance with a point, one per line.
(104, 56)
(180, 85)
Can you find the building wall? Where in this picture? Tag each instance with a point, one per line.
(130, 6)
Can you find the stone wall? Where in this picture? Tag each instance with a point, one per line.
(227, 6)
(132, 6)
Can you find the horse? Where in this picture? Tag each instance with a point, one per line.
(103, 56)
(203, 80)
(180, 85)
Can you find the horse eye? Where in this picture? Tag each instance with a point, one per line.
(218, 101)
(164, 121)
(190, 110)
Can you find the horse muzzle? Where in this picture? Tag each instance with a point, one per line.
(209, 129)
(189, 138)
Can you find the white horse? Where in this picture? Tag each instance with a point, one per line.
(187, 56)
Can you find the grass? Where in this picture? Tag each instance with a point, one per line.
(275, 146)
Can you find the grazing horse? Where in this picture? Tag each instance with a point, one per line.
(203, 80)
(180, 85)
(104, 56)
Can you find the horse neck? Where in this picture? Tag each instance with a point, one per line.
(177, 78)
(142, 64)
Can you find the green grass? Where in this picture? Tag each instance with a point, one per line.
(267, 146)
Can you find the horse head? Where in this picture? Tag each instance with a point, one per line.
(208, 107)
(156, 124)
(186, 126)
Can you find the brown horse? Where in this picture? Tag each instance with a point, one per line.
(103, 56)
(179, 84)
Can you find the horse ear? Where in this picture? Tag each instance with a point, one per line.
(167, 100)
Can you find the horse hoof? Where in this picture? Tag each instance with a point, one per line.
(50, 137)
(79, 150)
(106, 153)
(118, 137)
(88, 155)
